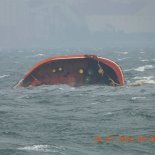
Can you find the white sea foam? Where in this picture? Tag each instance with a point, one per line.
(142, 52)
(94, 103)
(127, 70)
(40, 54)
(145, 60)
(43, 148)
(3, 76)
(120, 59)
(108, 113)
(143, 78)
(138, 97)
(143, 68)
(124, 53)
(142, 82)
(37, 55)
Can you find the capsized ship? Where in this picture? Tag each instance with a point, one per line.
(74, 70)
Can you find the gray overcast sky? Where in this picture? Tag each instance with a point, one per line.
(41, 20)
(127, 15)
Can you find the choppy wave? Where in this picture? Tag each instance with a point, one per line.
(65, 119)
(142, 82)
(120, 59)
(127, 70)
(37, 55)
(43, 148)
(124, 53)
(143, 68)
(143, 78)
(3, 76)
(138, 97)
(140, 69)
(144, 60)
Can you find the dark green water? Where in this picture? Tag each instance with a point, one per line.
(55, 120)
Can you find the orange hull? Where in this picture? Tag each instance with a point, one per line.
(74, 70)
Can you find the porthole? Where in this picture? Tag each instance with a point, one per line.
(53, 70)
(81, 71)
(60, 69)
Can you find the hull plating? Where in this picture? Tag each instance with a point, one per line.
(74, 70)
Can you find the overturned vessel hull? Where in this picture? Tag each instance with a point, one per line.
(74, 70)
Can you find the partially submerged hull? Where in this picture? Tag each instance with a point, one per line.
(74, 70)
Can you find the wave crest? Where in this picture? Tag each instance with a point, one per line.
(143, 68)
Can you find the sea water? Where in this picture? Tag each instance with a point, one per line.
(64, 120)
